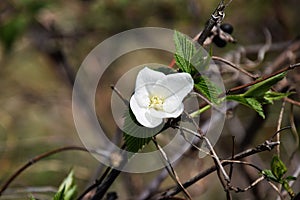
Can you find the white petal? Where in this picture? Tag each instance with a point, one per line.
(174, 114)
(142, 97)
(161, 90)
(180, 84)
(171, 100)
(172, 103)
(142, 115)
(148, 77)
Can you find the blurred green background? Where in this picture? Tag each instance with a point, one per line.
(39, 37)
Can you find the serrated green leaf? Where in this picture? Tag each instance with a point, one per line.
(250, 102)
(67, 189)
(269, 175)
(256, 105)
(209, 89)
(185, 50)
(135, 144)
(135, 135)
(260, 94)
(201, 60)
(259, 89)
(278, 167)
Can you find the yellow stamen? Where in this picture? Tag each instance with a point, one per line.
(156, 103)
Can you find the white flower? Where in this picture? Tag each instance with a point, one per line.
(158, 96)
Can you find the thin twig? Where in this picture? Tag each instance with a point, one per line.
(234, 66)
(296, 103)
(237, 189)
(36, 159)
(232, 155)
(262, 51)
(293, 126)
(266, 146)
(290, 67)
(243, 163)
(171, 170)
(196, 113)
(210, 147)
(125, 101)
(282, 129)
(222, 181)
(254, 183)
(276, 189)
(279, 122)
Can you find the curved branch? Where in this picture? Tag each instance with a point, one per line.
(36, 159)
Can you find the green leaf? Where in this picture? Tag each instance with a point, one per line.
(250, 102)
(270, 96)
(67, 189)
(135, 144)
(256, 105)
(259, 94)
(259, 89)
(32, 198)
(185, 50)
(201, 60)
(269, 175)
(209, 89)
(288, 188)
(136, 136)
(278, 167)
(290, 178)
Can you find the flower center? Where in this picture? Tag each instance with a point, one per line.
(156, 103)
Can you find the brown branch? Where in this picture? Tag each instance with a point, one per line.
(36, 159)
(266, 146)
(234, 66)
(296, 103)
(171, 170)
(215, 18)
(290, 67)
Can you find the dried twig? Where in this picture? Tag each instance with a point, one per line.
(234, 66)
(210, 147)
(266, 146)
(171, 170)
(279, 122)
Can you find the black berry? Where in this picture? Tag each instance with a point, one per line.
(227, 28)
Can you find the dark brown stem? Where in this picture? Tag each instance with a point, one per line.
(215, 18)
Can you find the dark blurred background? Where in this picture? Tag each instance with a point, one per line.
(43, 43)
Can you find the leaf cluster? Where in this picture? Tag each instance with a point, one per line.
(277, 172)
(259, 94)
